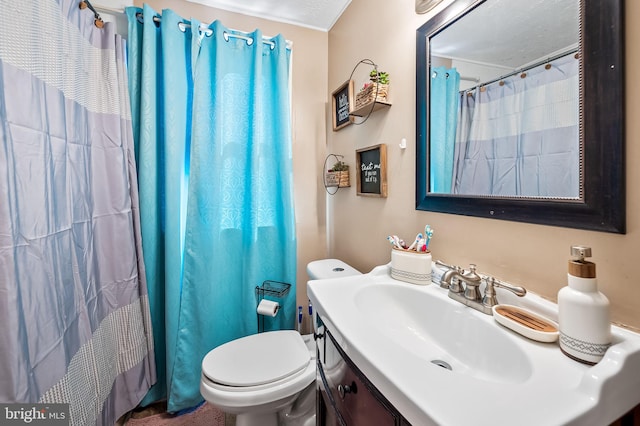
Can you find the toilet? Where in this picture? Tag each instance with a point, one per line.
(268, 379)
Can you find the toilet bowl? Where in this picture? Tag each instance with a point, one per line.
(268, 379)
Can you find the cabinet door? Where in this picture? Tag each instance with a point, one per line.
(326, 412)
(360, 405)
(356, 399)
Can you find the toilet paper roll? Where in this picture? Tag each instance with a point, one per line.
(268, 308)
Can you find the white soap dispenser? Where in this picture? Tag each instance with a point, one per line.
(583, 312)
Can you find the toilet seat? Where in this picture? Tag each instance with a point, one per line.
(236, 400)
(257, 360)
(279, 385)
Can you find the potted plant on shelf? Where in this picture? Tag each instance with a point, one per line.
(338, 175)
(377, 89)
(379, 77)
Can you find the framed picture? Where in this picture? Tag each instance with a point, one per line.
(341, 100)
(371, 173)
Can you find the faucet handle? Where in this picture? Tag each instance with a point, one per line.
(472, 274)
(489, 300)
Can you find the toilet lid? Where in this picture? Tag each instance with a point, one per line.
(257, 359)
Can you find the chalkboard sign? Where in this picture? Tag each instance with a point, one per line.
(341, 103)
(372, 171)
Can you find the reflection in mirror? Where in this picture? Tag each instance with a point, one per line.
(423, 6)
(504, 103)
(525, 121)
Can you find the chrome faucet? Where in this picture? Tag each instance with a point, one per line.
(470, 295)
(449, 278)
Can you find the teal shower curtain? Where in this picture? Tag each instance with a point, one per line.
(211, 118)
(443, 115)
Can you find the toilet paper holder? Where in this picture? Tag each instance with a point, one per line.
(273, 289)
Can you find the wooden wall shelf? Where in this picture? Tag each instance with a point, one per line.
(366, 108)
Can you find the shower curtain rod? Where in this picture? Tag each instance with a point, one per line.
(536, 64)
(474, 79)
(183, 25)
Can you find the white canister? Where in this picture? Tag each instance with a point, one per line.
(411, 266)
(583, 312)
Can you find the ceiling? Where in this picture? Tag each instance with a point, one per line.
(528, 30)
(315, 14)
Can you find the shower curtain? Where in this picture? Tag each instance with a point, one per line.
(213, 140)
(520, 136)
(73, 306)
(443, 110)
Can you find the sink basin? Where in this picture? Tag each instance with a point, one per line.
(400, 336)
(437, 331)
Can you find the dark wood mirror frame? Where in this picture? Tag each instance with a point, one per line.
(602, 207)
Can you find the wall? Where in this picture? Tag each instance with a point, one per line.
(534, 256)
(309, 95)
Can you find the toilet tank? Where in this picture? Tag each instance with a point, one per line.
(330, 268)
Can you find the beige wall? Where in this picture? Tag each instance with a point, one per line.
(534, 256)
(309, 94)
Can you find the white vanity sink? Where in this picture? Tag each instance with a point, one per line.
(436, 331)
(401, 335)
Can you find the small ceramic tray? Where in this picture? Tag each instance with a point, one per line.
(527, 323)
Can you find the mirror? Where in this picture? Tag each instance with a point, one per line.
(565, 166)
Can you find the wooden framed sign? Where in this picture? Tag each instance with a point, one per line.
(372, 171)
(341, 100)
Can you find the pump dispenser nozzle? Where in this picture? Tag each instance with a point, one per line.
(580, 267)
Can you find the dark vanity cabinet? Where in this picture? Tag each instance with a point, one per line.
(344, 395)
